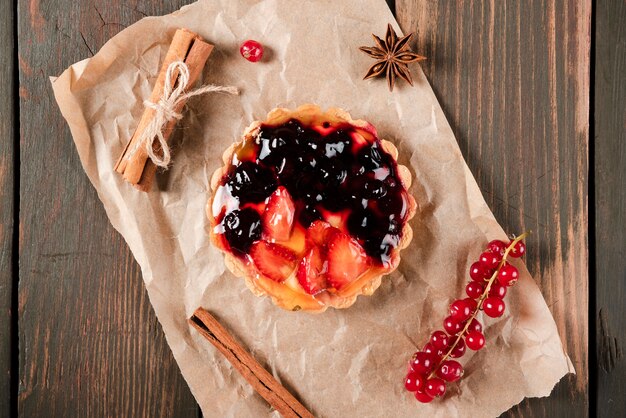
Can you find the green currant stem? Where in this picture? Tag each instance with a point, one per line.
(479, 305)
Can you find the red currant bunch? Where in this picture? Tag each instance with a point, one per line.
(432, 367)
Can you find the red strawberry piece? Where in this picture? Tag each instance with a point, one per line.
(346, 260)
(273, 261)
(312, 271)
(278, 215)
(319, 233)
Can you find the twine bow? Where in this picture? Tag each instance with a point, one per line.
(165, 111)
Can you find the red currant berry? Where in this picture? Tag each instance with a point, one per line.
(450, 370)
(477, 272)
(414, 381)
(489, 260)
(430, 348)
(475, 325)
(497, 290)
(474, 289)
(518, 249)
(475, 340)
(493, 307)
(458, 350)
(460, 310)
(251, 50)
(508, 275)
(451, 325)
(435, 387)
(497, 247)
(439, 340)
(423, 397)
(422, 362)
(471, 303)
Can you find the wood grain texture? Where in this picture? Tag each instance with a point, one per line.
(7, 135)
(610, 205)
(90, 344)
(513, 80)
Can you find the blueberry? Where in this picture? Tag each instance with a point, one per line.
(393, 225)
(394, 204)
(374, 189)
(391, 182)
(330, 171)
(251, 183)
(370, 158)
(381, 246)
(335, 200)
(308, 215)
(363, 222)
(305, 161)
(269, 144)
(337, 144)
(242, 228)
(309, 190)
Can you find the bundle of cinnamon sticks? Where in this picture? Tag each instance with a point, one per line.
(134, 164)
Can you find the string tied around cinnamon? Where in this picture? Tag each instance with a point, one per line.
(166, 110)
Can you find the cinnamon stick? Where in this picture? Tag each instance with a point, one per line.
(260, 379)
(190, 48)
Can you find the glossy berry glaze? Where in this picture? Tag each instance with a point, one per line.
(335, 177)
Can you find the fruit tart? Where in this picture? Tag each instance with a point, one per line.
(311, 208)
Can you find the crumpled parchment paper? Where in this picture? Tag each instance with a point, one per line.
(341, 363)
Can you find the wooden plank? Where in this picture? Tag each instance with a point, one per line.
(8, 131)
(513, 79)
(90, 344)
(610, 205)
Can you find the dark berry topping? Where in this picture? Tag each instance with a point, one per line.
(250, 182)
(325, 171)
(309, 214)
(242, 228)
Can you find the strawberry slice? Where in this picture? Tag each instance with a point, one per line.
(312, 271)
(273, 261)
(278, 215)
(319, 233)
(346, 260)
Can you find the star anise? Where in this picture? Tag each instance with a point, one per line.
(393, 56)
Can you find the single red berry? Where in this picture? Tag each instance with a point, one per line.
(493, 307)
(422, 362)
(489, 260)
(508, 275)
(497, 290)
(497, 247)
(459, 349)
(475, 340)
(430, 348)
(439, 340)
(451, 325)
(414, 381)
(460, 310)
(251, 50)
(471, 303)
(450, 370)
(518, 249)
(477, 272)
(435, 387)
(423, 397)
(474, 289)
(475, 325)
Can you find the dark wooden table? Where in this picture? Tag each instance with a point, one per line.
(536, 95)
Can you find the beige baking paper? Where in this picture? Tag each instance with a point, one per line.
(347, 363)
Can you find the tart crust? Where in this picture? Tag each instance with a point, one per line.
(282, 295)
